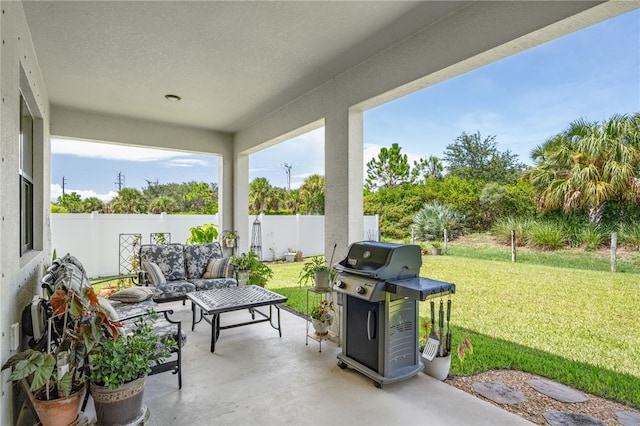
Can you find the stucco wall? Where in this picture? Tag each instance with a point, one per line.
(19, 275)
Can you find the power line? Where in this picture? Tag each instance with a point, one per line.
(64, 181)
(288, 168)
(120, 181)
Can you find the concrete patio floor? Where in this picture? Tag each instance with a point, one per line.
(257, 378)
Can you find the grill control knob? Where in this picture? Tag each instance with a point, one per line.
(361, 290)
(340, 284)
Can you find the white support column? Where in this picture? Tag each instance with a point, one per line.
(225, 193)
(240, 201)
(344, 180)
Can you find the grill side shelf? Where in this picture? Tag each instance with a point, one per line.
(419, 288)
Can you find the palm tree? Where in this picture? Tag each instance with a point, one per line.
(312, 194)
(163, 204)
(259, 195)
(129, 200)
(587, 165)
(434, 218)
(92, 204)
(293, 200)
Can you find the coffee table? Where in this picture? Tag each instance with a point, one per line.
(217, 301)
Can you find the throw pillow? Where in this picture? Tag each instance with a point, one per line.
(219, 268)
(133, 294)
(155, 273)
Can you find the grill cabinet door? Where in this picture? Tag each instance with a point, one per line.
(363, 333)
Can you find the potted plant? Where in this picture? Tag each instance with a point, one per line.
(316, 270)
(436, 248)
(231, 239)
(439, 366)
(290, 255)
(250, 270)
(119, 371)
(57, 375)
(321, 314)
(206, 233)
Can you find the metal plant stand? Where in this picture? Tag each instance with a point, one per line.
(129, 260)
(256, 238)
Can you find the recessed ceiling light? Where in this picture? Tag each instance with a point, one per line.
(172, 98)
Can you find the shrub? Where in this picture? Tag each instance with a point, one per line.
(431, 221)
(546, 235)
(630, 234)
(592, 237)
(503, 227)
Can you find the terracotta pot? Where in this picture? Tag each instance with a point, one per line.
(59, 412)
(120, 406)
(108, 290)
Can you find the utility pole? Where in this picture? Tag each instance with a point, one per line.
(64, 181)
(287, 168)
(120, 181)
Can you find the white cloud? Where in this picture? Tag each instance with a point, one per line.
(56, 192)
(109, 151)
(187, 162)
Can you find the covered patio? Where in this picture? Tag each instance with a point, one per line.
(256, 378)
(249, 75)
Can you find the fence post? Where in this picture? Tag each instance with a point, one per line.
(513, 245)
(614, 248)
(446, 240)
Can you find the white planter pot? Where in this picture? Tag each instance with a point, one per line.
(322, 280)
(290, 257)
(438, 368)
(321, 327)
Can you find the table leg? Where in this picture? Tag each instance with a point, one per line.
(215, 330)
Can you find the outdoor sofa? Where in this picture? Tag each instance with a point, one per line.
(174, 270)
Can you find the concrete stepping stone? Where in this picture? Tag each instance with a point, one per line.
(559, 418)
(627, 418)
(499, 392)
(557, 391)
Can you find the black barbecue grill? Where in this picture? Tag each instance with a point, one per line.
(380, 326)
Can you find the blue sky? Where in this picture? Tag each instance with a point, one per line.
(523, 100)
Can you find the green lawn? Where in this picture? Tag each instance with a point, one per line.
(576, 326)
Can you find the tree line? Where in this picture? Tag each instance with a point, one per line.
(589, 174)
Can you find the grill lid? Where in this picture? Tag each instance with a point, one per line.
(382, 260)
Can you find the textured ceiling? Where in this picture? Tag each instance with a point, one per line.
(231, 62)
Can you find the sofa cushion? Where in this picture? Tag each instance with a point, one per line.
(161, 327)
(156, 277)
(214, 283)
(197, 257)
(219, 268)
(133, 294)
(173, 289)
(169, 257)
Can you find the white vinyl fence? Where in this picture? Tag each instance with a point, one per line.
(94, 238)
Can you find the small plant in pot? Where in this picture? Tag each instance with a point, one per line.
(57, 375)
(250, 270)
(119, 370)
(321, 314)
(315, 271)
(436, 248)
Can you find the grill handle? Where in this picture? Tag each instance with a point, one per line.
(371, 325)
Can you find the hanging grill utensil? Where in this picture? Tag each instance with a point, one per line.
(447, 347)
(441, 327)
(432, 345)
